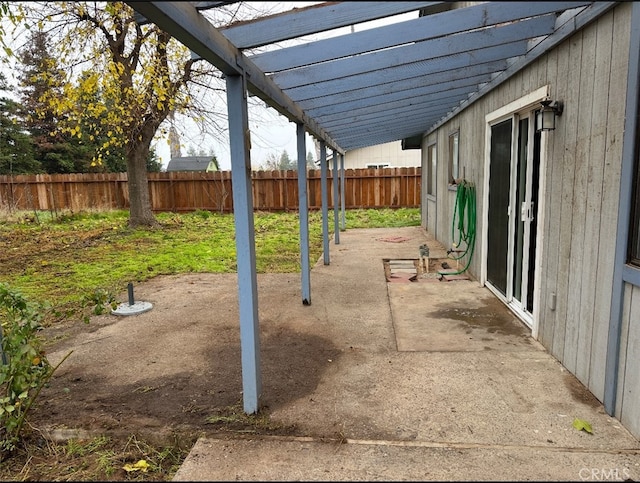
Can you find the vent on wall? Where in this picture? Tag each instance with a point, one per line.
(414, 142)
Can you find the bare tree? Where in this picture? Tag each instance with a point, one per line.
(282, 162)
(142, 77)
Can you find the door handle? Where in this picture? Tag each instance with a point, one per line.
(526, 211)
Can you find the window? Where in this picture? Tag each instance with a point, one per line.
(453, 158)
(634, 228)
(431, 169)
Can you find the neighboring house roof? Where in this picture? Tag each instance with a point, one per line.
(192, 163)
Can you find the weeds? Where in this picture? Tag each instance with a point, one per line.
(99, 301)
(234, 418)
(105, 462)
(75, 447)
(98, 459)
(166, 458)
(24, 368)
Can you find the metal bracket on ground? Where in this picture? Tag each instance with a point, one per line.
(132, 307)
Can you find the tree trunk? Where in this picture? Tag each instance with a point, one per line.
(140, 213)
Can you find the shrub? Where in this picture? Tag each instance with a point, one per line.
(24, 369)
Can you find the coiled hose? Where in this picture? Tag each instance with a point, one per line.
(464, 220)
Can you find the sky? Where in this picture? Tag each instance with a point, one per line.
(271, 134)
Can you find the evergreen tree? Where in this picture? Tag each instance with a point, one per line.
(57, 152)
(153, 163)
(286, 163)
(311, 164)
(16, 146)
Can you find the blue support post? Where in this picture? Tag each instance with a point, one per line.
(336, 205)
(629, 150)
(240, 144)
(325, 203)
(303, 215)
(342, 202)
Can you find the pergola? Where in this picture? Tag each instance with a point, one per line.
(389, 83)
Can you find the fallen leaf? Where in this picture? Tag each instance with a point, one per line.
(141, 465)
(582, 425)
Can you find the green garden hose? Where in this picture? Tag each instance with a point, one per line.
(464, 219)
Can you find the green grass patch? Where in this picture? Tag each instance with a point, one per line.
(67, 259)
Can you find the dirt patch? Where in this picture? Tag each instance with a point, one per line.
(579, 392)
(185, 401)
(174, 373)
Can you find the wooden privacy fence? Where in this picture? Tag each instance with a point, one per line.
(190, 191)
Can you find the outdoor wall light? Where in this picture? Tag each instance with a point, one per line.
(546, 120)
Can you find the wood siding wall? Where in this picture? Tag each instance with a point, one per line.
(583, 181)
(581, 190)
(189, 191)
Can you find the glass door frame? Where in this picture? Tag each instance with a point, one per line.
(524, 212)
(515, 111)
